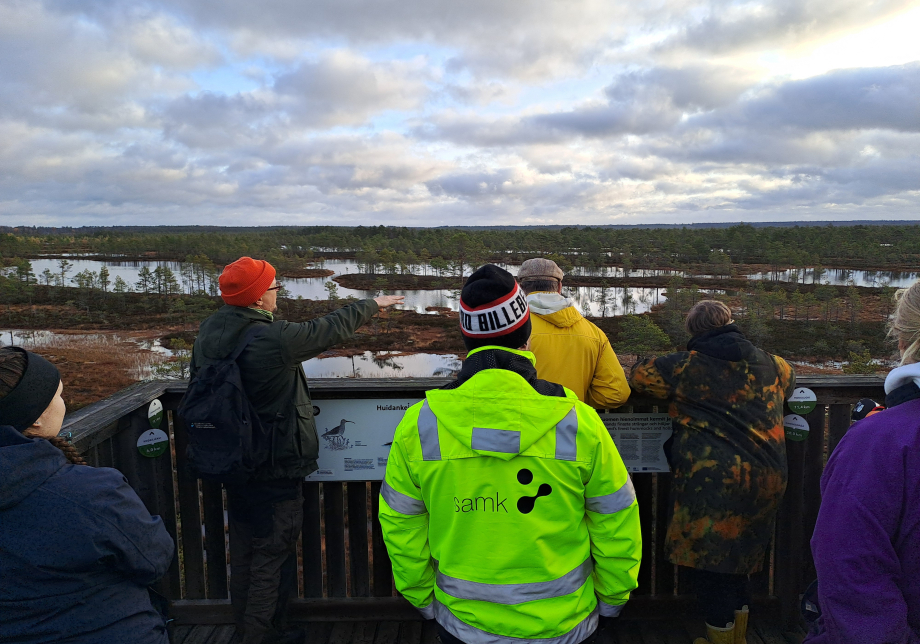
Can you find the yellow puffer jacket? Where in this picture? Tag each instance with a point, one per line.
(574, 353)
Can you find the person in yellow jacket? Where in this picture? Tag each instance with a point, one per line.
(506, 509)
(570, 350)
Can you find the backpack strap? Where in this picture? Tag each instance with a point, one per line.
(248, 337)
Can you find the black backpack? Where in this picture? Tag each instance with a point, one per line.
(226, 440)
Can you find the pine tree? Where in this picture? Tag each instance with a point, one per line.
(641, 336)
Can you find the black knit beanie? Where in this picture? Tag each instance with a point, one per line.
(493, 310)
(31, 396)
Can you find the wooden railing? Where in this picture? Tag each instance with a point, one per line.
(345, 572)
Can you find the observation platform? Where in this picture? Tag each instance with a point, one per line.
(415, 632)
(345, 584)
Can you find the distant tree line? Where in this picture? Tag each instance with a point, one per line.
(395, 249)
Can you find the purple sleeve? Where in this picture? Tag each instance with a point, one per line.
(857, 565)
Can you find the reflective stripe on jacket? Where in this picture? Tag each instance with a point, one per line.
(509, 514)
(575, 353)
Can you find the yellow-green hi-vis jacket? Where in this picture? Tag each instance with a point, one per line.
(508, 515)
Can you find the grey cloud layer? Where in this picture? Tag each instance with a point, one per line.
(692, 100)
(733, 26)
(104, 113)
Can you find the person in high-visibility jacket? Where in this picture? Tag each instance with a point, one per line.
(506, 509)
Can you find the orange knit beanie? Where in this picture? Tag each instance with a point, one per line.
(245, 280)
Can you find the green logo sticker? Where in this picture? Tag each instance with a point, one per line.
(153, 443)
(796, 427)
(155, 413)
(803, 401)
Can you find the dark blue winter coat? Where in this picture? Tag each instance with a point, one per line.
(77, 551)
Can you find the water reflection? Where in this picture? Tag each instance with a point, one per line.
(40, 338)
(591, 301)
(841, 276)
(384, 364)
(128, 271)
(607, 302)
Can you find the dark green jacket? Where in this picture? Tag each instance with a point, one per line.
(273, 376)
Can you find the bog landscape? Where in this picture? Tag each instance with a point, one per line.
(111, 306)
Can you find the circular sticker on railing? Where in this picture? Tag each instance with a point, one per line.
(796, 427)
(153, 443)
(803, 400)
(155, 413)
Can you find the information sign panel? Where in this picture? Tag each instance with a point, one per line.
(640, 440)
(153, 443)
(355, 437)
(796, 427)
(803, 401)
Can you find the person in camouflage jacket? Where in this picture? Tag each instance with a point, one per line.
(728, 455)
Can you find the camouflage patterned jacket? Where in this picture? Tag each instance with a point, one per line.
(728, 457)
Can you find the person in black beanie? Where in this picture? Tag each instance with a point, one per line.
(77, 546)
(494, 312)
(459, 509)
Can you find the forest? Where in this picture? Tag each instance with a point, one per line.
(879, 247)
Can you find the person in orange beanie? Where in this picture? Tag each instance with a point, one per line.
(266, 512)
(245, 280)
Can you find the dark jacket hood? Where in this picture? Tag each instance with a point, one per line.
(498, 358)
(25, 464)
(725, 343)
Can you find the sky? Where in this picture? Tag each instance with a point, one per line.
(438, 112)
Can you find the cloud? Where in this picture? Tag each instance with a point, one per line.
(342, 88)
(526, 39)
(849, 99)
(216, 121)
(159, 40)
(440, 112)
(638, 102)
(72, 75)
(724, 27)
(472, 184)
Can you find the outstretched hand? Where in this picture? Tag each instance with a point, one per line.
(389, 300)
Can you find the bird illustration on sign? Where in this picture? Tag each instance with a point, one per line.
(335, 437)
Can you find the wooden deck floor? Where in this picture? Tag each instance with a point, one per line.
(626, 632)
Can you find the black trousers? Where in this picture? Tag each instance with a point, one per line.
(719, 595)
(263, 562)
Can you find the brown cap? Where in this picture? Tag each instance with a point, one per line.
(539, 268)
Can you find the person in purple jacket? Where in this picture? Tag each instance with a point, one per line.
(866, 543)
(78, 549)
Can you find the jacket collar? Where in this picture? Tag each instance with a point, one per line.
(901, 385)
(903, 375)
(902, 394)
(247, 313)
(520, 362)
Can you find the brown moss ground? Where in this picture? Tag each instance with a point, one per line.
(94, 373)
